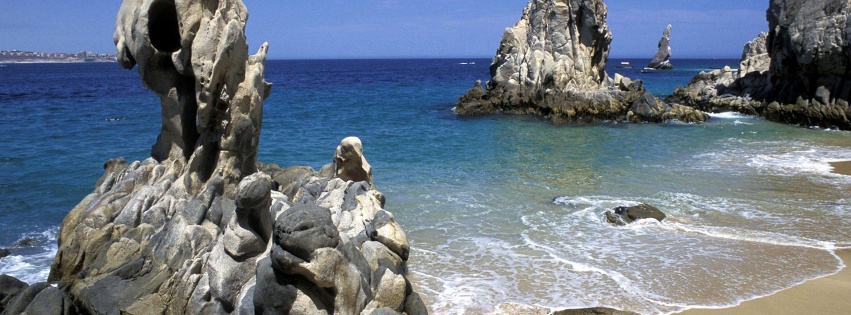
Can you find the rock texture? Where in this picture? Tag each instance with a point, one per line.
(661, 60)
(552, 64)
(17, 297)
(801, 76)
(626, 215)
(196, 228)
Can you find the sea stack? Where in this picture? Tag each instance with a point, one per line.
(552, 63)
(196, 228)
(805, 80)
(662, 58)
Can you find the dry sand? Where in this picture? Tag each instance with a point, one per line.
(828, 295)
(843, 167)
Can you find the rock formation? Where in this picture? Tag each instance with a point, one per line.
(17, 297)
(552, 63)
(805, 81)
(196, 228)
(661, 60)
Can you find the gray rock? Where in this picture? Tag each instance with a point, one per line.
(19, 303)
(249, 230)
(661, 60)
(552, 64)
(302, 229)
(182, 231)
(51, 301)
(626, 215)
(10, 287)
(799, 77)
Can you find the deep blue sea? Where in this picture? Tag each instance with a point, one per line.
(498, 209)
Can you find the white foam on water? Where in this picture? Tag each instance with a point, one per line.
(730, 115)
(32, 264)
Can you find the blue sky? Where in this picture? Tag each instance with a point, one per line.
(400, 29)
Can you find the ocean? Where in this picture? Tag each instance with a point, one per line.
(499, 209)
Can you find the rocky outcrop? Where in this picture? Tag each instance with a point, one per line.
(552, 63)
(17, 297)
(626, 215)
(661, 60)
(197, 228)
(800, 77)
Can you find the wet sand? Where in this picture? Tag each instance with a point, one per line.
(828, 295)
(843, 167)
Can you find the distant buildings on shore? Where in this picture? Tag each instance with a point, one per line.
(16, 56)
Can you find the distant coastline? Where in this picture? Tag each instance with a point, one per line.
(16, 56)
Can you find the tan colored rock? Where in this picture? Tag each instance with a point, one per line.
(349, 163)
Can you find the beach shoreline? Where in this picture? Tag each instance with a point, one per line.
(826, 295)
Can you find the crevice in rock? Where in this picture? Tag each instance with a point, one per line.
(163, 28)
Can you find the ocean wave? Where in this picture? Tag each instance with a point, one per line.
(31, 264)
(731, 115)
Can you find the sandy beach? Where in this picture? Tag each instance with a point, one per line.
(828, 295)
(843, 167)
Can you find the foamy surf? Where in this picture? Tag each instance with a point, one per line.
(730, 115)
(31, 264)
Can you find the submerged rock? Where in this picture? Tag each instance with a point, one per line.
(512, 308)
(552, 63)
(196, 228)
(798, 73)
(626, 215)
(661, 60)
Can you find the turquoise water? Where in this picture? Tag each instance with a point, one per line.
(499, 209)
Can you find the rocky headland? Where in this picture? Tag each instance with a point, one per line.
(552, 63)
(661, 60)
(798, 73)
(201, 227)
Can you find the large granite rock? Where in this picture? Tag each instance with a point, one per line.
(801, 76)
(17, 297)
(661, 60)
(194, 228)
(552, 63)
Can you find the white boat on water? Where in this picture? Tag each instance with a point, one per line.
(648, 70)
(624, 64)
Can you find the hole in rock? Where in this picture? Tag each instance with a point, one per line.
(163, 27)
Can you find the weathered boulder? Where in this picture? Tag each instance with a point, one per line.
(755, 56)
(661, 60)
(800, 77)
(16, 297)
(626, 215)
(349, 162)
(190, 230)
(552, 64)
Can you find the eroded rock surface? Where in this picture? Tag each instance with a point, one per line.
(626, 215)
(196, 228)
(801, 76)
(661, 60)
(552, 63)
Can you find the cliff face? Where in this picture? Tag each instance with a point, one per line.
(197, 228)
(552, 63)
(801, 76)
(661, 60)
(808, 43)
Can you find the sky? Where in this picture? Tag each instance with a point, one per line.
(335, 29)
